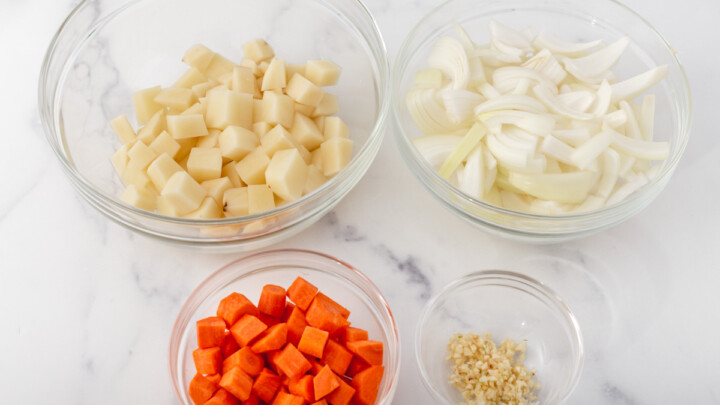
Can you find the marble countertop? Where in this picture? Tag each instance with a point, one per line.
(87, 306)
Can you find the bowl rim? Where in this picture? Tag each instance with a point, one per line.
(519, 282)
(189, 307)
(682, 129)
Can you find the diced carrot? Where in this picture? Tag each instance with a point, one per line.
(303, 387)
(272, 360)
(313, 341)
(272, 300)
(237, 383)
(289, 306)
(367, 385)
(248, 361)
(316, 366)
(201, 389)
(266, 385)
(233, 307)
(342, 395)
(337, 357)
(252, 400)
(344, 312)
(356, 365)
(296, 325)
(351, 334)
(222, 397)
(292, 363)
(320, 402)
(274, 338)
(247, 329)
(229, 345)
(325, 382)
(371, 351)
(214, 378)
(207, 361)
(269, 320)
(301, 293)
(283, 398)
(323, 315)
(210, 332)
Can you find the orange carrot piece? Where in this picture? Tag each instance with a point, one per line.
(247, 360)
(207, 361)
(342, 395)
(325, 382)
(292, 363)
(337, 357)
(247, 329)
(210, 332)
(320, 402)
(201, 389)
(289, 306)
(272, 301)
(356, 365)
(303, 387)
(229, 345)
(367, 385)
(233, 307)
(266, 385)
(371, 351)
(344, 312)
(351, 334)
(296, 325)
(269, 320)
(316, 366)
(237, 383)
(283, 398)
(274, 338)
(252, 400)
(271, 358)
(222, 397)
(322, 315)
(214, 378)
(313, 341)
(301, 293)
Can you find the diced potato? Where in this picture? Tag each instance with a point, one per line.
(204, 163)
(322, 72)
(278, 109)
(293, 68)
(252, 168)
(257, 110)
(142, 198)
(303, 109)
(145, 105)
(196, 108)
(186, 126)
(135, 175)
(219, 65)
(164, 143)
(201, 89)
(243, 80)
(306, 155)
(228, 107)
(237, 142)
(286, 173)
(328, 106)
(252, 65)
(261, 128)
(316, 158)
(230, 171)
(274, 78)
(320, 122)
(277, 139)
(304, 91)
(219, 87)
(258, 50)
(305, 132)
(335, 127)
(210, 140)
(186, 145)
(263, 66)
(165, 208)
(123, 129)
(183, 192)
(190, 78)
(227, 79)
(153, 127)
(336, 153)
(141, 155)
(120, 159)
(198, 57)
(315, 178)
(260, 199)
(216, 188)
(176, 98)
(208, 209)
(235, 202)
(161, 169)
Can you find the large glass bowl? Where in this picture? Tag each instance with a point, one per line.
(106, 50)
(573, 21)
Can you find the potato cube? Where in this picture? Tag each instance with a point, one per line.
(286, 174)
(335, 127)
(200, 90)
(316, 158)
(196, 108)
(123, 129)
(227, 79)
(303, 109)
(257, 110)
(164, 143)
(243, 80)
(258, 50)
(328, 106)
(293, 68)
(230, 171)
(208, 209)
(277, 139)
(235, 202)
(120, 159)
(176, 98)
(210, 140)
(306, 155)
(277, 109)
(142, 198)
(153, 127)
(305, 132)
(186, 145)
(336, 153)
(199, 57)
(304, 91)
(165, 208)
(161, 169)
(261, 128)
(190, 78)
(315, 178)
(236, 142)
(320, 122)
(141, 155)
(226, 107)
(274, 78)
(186, 126)
(204, 163)
(322, 72)
(252, 168)
(218, 87)
(218, 66)
(135, 175)
(260, 199)
(145, 105)
(216, 188)
(183, 192)
(263, 66)
(252, 65)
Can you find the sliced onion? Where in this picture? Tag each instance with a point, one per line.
(634, 86)
(593, 68)
(545, 40)
(569, 188)
(449, 56)
(436, 148)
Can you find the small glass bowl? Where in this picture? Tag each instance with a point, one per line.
(506, 305)
(249, 274)
(574, 21)
(106, 50)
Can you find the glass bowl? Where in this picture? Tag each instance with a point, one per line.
(572, 21)
(249, 274)
(506, 305)
(106, 50)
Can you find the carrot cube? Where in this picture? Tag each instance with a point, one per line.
(247, 360)
(337, 357)
(344, 312)
(222, 397)
(313, 341)
(367, 385)
(266, 385)
(207, 361)
(237, 383)
(303, 387)
(229, 345)
(201, 389)
(370, 351)
(342, 395)
(247, 329)
(320, 402)
(272, 301)
(214, 378)
(302, 293)
(268, 320)
(233, 307)
(351, 334)
(210, 332)
(296, 325)
(356, 366)
(283, 398)
(274, 338)
(325, 382)
(316, 366)
(252, 400)
(289, 306)
(323, 315)
(292, 363)
(272, 360)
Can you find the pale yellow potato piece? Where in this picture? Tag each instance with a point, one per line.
(164, 143)
(186, 145)
(237, 142)
(208, 209)
(153, 127)
(186, 126)
(314, 179)
(260, 198)
(217, 88)
(190, 78)
(322, 72)
(227, 79)
(226, 107)
(183, 192)
(142, 198)
(286, 174)
(210, 140)
(161, 169)
(263, 66)
(277, 139)
(261, 128)
(293, 68)
(258, 50)
(336, 153)
(216, 188)
(316, 158)
(140, 155)
(145, 105)
(176, 98)
(200, 90)
(252, 168)
(235, 202)
(165, 208)
(135, 175)
(320, 122)
(229, 170)
(199, 57)
(120, 159)
(328, 106)
(252, 65)
(302, 90)
(305, 132)
(196, 108)
(274, 77)
(334, 127)
(123, 129)
(243, 80)
(278, 109)
(303, 109)
(219, 65)
(204, 163)
(257, 110)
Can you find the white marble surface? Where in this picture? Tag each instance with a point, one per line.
(87, 306)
